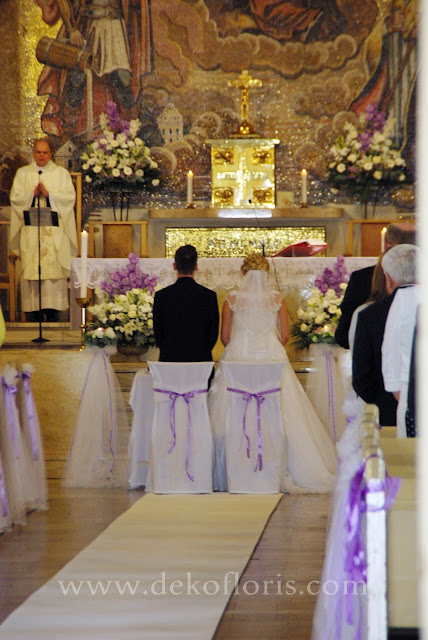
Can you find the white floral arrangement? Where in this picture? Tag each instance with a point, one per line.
(127, 319)
(319, 316)
(118, 157)
(125, 314)
(365, 157)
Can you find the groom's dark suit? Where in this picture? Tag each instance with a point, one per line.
(185, 321)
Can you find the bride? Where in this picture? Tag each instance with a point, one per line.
(255, 329)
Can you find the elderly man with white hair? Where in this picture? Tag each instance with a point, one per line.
(400, 326)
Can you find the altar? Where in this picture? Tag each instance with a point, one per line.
(293, 278)
(223, 232)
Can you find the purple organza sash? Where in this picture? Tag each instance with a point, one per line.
(10, 391)
(3, 492)
(31, 413)
(259, 397)
(329, 365)
(355, 556)
(187, 397)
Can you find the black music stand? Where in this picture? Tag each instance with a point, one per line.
(40, 217)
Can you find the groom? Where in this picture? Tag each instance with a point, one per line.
(185, 314)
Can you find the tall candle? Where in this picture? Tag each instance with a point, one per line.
(382, 240)
(84, 264)
(189, 187)
(304, 186)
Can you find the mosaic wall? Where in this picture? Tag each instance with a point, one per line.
(319, 67)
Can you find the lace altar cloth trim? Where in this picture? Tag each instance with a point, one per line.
(218, 273)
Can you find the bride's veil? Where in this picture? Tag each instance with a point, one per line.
(256, 303)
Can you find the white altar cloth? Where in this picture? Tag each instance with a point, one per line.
(220, 274)
(217, 273)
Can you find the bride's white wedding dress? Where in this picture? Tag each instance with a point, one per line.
(310, 453)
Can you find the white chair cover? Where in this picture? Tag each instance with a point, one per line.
(255, 462)
(13, 454)
(37, 497)
(181, 464)
(142, 404)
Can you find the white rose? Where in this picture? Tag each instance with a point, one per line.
(155, 182)
(352, 157)
(304, 328)
(368, 166)
(127, 171)
(97, 169)
(341, 167)
(150, 323)
(377, 175)
(139, 173)
(114, 143)
(332, 309)
(319, 319)
(88, 179)
(115, 173)
(110, 333)
(401, 177)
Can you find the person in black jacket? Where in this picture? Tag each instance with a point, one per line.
(367, 379)
(185, 314)
(358, 289)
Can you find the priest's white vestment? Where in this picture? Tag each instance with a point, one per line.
(57, 244)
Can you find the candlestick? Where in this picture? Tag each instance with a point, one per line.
(189, 187)
(304, 175)
(83, 302)
(84, 264)
(382, 240)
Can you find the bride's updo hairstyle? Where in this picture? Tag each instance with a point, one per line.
(254, 262)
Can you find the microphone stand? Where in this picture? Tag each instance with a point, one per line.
(40, 339)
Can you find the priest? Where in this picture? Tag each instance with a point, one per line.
(43, 180)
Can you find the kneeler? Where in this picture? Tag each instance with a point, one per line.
(181, 457)
(255, 437)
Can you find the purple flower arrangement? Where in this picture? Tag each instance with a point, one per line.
(128, 278)
(333, 278)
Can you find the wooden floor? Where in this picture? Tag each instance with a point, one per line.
(290, 550)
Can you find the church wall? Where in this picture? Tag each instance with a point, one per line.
(318, 67)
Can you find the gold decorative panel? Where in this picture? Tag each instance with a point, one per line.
(243, 172)
(236, 242)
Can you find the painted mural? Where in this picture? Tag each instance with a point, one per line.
(169, 62)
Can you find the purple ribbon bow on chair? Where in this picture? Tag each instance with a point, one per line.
(259, 397)
(187, 397)
(10, 391)
(31, 413)
(355, 556)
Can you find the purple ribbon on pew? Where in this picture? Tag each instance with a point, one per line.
(187, 397)
(10, 391)
(31, 413)
(355, 557)
(259, 397)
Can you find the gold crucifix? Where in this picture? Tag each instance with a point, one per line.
(245, 82)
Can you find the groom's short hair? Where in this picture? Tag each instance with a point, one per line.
(185, 259)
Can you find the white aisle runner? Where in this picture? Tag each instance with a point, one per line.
(148, 563)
